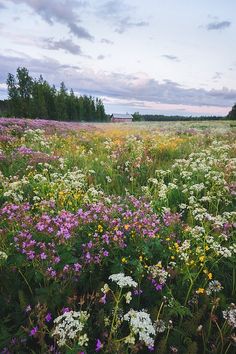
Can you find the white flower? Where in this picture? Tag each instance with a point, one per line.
(160, 326)
(214, 287)
(108, 178)
(69, 326)
(230, 315)
(141, 325)
(105, 289)
(121, 280)
(128, 297)
(3, 255)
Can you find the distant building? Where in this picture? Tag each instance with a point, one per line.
(115, 118)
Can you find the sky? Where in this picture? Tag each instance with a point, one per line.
(152, 56)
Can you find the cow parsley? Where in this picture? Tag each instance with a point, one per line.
(69, 327)
(141, 325)
(230, 315)
(121, 280)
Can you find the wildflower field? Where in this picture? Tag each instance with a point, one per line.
(117, 238)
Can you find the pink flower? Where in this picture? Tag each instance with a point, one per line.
(33, 331)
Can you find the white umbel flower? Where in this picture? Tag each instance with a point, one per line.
(121, 280)
(141, 325)
(230, 315)
(69, 327)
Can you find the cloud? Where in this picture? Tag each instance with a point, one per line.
(218, 25)
(217, 76)
(125, 23)
(170, 57)
(129, 87)
(106, 41)
(80, 32)
(59, 11)
(2, 6)
(66, 44)
(118, 14)
(100, 57)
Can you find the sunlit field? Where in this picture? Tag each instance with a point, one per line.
(117, 238)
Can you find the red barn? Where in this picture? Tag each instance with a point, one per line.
(120, 118)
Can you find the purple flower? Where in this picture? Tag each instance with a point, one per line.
(105, 253)
(99, 345)
(103, 299)
(77, 267)
(158, 287)
(48, 317)
(137, 292)
(43, 256)
(33, 331)
(65, 309)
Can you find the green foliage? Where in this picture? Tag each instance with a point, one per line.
(113, 204)
(137, 117)
(232, 113)
(35, 98)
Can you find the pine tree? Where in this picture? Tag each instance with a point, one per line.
(13, 95)
(232, 113)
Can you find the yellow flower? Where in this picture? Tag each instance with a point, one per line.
(124, 260)
(140, 258)
(202, 258)
(200, 291)
(100, 228)
(209, 276)
(126, 227)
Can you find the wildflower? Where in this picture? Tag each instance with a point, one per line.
(230, 315)
(214, 287)
(103, 299)
(108, 178)
(70, 326)
(128, 297)
(160, 326)
(43, 256)
(28, 309)
(48, 317)
(201, 258)
(151, 348)
(137, 292)
(33, 331)
(141, 325)
(3, 256)
(99, 345)
(65, 309)
(121, 280)
(200, 291)
(105, 288)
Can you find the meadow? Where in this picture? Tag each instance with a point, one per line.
(117, 238)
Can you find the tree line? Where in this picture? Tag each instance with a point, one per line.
(176, 118)
(36, 98)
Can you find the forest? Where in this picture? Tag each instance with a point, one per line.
(35, 98)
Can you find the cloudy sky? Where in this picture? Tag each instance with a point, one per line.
(153, 56)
